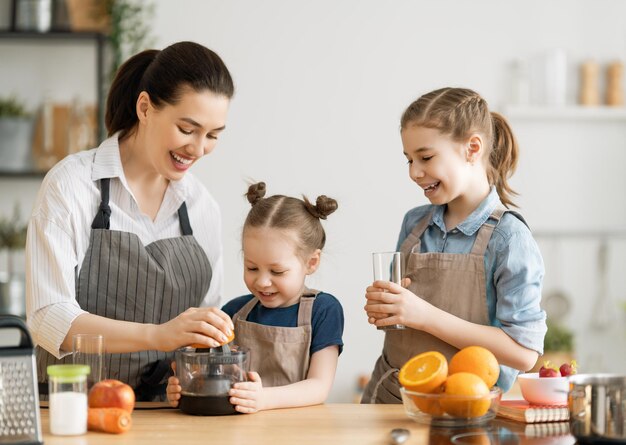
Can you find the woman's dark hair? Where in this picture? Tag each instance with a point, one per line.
(285, 212)
(163, 75)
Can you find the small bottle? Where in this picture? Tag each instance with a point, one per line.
(67, 386)
(614, 86)
(589, 94)
(520, 82)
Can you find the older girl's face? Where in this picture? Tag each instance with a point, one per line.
(437, 164)
(273, 270)
(176, 136)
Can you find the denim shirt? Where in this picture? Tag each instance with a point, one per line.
(513, 270)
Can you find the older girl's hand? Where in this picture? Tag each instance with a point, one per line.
(248, 397)
(207, 326)
(389, 303)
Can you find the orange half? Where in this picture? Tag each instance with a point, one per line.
(230, 338)
(424, 372)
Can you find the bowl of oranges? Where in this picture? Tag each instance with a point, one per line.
(461, 393)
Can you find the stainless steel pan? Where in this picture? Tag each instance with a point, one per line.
(597, 406)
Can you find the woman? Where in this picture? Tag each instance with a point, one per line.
(110, 246)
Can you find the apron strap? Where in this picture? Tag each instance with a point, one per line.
(380, 382)
(304, 311)
(486, 230)
(412, 242)
(306, 307)
(245, 310)
(103, 216)
(183, 218)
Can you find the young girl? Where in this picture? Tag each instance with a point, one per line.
(293, 333)
(473, 271)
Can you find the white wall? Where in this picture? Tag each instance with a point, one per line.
(320, 89)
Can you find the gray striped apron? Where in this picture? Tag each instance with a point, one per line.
(122, 279)
(281, 355)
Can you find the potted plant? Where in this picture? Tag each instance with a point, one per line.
(16, 135)
(12, 240)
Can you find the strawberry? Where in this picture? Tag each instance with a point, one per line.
(549, 370)
(568, 369)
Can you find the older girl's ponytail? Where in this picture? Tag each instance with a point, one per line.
(503, 158)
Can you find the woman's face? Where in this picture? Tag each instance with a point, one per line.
(273, 270)
(176, 136)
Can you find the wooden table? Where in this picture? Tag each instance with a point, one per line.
(334, 424)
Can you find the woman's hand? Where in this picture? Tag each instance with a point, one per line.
(248, 397)
(389, 303)
(204, 325)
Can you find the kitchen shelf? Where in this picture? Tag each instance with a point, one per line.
(568, 112)
(22, 174)
(65, 38)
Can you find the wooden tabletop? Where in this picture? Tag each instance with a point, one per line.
(331, 423)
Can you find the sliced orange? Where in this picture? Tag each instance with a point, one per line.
(425, 372)
(477, 360)
(470, 395)
(230, 338)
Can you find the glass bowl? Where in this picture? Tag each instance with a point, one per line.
(446, 410)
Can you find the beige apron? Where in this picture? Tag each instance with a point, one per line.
(279, 354)
(452, 282)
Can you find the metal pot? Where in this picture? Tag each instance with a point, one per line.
(597, 407)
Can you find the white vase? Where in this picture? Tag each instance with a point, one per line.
(16, 143)
(12, 295)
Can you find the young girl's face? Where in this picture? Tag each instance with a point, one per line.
(273, 270)
(180, 134)
(437, 163)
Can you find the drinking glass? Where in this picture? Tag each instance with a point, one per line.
(88, 349)
(388, 266)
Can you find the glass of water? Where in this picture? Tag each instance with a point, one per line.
(388, 266)
(88, 349)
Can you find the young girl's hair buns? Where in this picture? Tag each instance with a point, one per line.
(323, 207)
(255, 192)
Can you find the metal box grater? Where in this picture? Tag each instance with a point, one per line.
(20, 422)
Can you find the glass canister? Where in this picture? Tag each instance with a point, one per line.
(206, 376)
(67, 386)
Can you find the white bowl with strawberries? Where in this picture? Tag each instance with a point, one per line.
(549, 386)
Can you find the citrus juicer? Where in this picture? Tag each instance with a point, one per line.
(206, 376)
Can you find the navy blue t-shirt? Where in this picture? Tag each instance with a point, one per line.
(326, 319)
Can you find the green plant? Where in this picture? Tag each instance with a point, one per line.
(12, 231)
(12, 235)
(11, 106)
(558, 338)
(130, 29)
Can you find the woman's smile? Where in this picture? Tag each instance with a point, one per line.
(180, 162)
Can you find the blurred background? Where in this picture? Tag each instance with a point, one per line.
(320, 90)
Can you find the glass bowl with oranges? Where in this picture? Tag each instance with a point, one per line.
(455, 394)
(445, 410)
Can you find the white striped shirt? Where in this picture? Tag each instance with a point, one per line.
(60, 226)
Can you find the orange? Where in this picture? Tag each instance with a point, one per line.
(429, 405)
(473, 395)
(477, 360)
(424, 373)
(230, 338)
